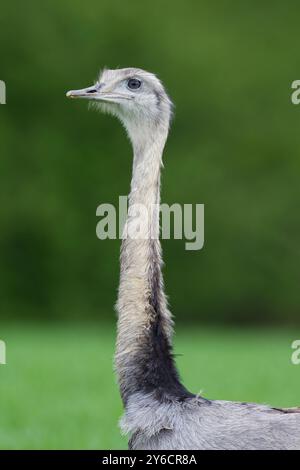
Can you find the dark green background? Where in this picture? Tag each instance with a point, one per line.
(234, 146)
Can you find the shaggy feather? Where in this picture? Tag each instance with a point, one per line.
(159, 412)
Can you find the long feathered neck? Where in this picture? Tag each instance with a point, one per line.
(144, 361)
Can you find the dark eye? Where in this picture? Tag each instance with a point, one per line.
(134, 83)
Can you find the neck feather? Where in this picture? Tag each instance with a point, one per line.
(144, 361)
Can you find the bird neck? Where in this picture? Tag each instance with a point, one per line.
(143, 355)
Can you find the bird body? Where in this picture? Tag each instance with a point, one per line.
(160, 413)
(196, 423)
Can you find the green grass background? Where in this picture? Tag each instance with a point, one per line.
(58, 390)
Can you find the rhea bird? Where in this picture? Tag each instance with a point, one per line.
(160, 413)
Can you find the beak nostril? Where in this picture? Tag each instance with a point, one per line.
(92, 90)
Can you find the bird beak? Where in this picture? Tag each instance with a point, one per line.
(95, 93)
(88, 93)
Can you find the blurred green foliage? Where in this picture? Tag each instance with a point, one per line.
(234, 146)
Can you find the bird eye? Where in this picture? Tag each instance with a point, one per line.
(134, 83)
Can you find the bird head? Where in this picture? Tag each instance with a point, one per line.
(135, 96)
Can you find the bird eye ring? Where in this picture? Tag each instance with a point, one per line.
(134, 83)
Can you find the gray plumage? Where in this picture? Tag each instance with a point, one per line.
(160, 413)
(216, 425)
